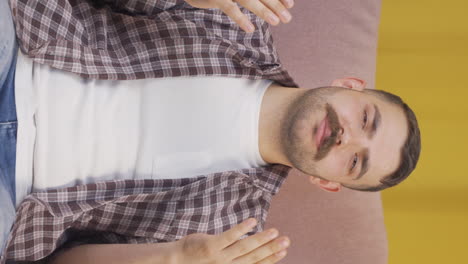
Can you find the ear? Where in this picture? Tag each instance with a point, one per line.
(350, 82)
(325, 185)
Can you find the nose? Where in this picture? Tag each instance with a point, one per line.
(339, 137)
(346, 137)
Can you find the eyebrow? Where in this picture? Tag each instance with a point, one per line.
(364, 164)
(375, 123)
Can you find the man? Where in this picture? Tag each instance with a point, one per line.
(313, 131)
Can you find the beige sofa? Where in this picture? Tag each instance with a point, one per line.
(328, 40)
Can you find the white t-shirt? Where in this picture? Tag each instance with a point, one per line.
(76, 131)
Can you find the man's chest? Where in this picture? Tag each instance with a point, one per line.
(142, 129)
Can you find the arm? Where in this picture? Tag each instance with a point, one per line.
(117, 254)
(192, 249)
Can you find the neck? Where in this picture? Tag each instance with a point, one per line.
(275, 104)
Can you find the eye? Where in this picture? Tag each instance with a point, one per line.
(355, 161)
(364, 119)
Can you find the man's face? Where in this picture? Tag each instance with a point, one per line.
(346, 136)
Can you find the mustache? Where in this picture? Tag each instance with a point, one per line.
(328, 142)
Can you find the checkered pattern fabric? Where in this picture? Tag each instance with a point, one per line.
(140, 211)
(137, 39)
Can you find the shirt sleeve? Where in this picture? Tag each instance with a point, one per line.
(140, 7)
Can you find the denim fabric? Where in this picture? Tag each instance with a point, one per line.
(8, 121)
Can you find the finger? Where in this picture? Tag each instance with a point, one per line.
(234, 234)
(233, 11)
(288, 3)
(279, 9)
(250, 244)
(259, 9)
(274, 258)
(264, 251)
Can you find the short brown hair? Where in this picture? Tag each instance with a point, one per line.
(410, 150)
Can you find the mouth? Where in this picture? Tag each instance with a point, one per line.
(323, 131)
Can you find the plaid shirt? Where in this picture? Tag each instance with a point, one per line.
(134, 39)
(137, 39)
(140, 211)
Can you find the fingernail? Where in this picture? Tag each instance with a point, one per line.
(286, 15)
(284, 242)
(282, 253)
(250, 27)
(272, 233)
(273, 19)
(289, 3)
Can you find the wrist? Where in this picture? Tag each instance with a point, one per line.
(164, 253)
(174, 253)
(155, 253)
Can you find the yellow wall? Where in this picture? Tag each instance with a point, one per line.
(423, 57)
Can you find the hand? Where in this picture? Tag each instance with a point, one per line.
(226, 248)
(272, 11)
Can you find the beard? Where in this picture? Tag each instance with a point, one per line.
(300, 114)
